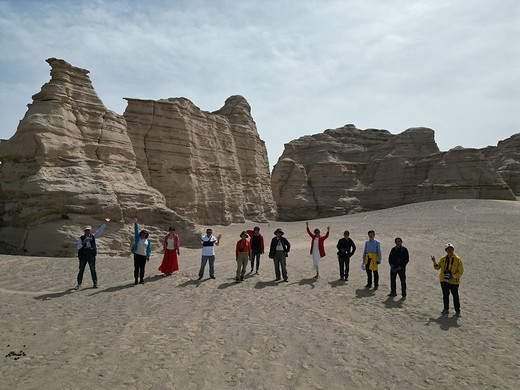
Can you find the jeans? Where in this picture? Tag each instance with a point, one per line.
(402, 277)
(280, 261)
(344, 265)
(255, 253)
(139, 264)
(91, 260)
(203, 262)
(454, 289)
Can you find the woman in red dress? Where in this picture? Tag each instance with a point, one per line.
(171, 249)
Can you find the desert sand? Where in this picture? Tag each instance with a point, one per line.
(178, 333)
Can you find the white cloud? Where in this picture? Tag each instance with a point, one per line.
(304, 66)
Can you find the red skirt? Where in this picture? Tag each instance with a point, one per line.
(169, 263)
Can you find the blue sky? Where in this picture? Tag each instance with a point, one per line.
(304, 66)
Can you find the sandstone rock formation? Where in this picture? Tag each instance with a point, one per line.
(505, 158)
(212, 168)
(349, 170)
(72, 163)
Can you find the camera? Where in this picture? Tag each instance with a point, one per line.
(447, 275)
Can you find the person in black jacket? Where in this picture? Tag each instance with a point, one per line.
(346, 249)
(279, 251)
(398, 259)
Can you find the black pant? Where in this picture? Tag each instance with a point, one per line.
(454, 289)
(139, 264)
(376, 277)
(344, 265)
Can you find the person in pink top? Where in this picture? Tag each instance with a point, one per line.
(317, 248)
(170, 263)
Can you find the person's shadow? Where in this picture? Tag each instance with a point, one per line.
(338, 283)
(193, 282)
(259, 285)
(445, 322)
(364, 293)
(390, 303)
(308, 282)
(227, 285)
(46, 297)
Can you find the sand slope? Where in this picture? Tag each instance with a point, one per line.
(178, 333)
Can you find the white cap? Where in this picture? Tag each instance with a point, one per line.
(448, 245)
(88, 227)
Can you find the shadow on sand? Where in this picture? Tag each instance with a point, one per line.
(46, 297)
(365, 292)
(445, 322)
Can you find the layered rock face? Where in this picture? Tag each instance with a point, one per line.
(72, 163)
(505, 158)
(212, 168)
(349, 170)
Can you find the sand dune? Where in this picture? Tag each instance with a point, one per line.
(177, 333)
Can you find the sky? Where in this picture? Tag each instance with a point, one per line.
(304, 66)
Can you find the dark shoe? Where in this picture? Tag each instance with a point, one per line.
(200, 278)
(136, 281)
(95, 285)
(277, 279)
(212, 277)
(392, 294)
(141, 282)
(346, 279)
(286, 280)
(241, 278)
(457, 314)
(445, 311)
(341, 278)
(237, 280)
(368, 285)
(376, 287)
(257, 273)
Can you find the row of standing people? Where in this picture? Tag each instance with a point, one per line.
(250, 250)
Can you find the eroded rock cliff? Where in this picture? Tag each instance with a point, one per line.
(349, 170)
(71, 163)
(212, 168)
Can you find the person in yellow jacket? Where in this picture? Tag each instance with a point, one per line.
(451, 271)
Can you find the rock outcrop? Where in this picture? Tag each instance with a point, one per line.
(349, 170)
(71, 163)
(505, 158)
(212, 168)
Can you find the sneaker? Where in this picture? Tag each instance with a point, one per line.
(286, 280)
(445, 311)
(257, 273)
(368, 285)
(277, 279)
(341, 278)
(457, 314)
(241, 278)
(141, 282)
(376, 287)
(212, 277)
(237, 280)
(77, 287)
(392, 294)
(200, 278)
(403, 296)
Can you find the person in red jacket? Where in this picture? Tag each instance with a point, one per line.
(317, 248)
(243, 254)
(257, 247)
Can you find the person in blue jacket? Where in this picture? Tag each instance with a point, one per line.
(142, 251)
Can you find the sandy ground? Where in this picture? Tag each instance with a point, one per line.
(177, 333)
